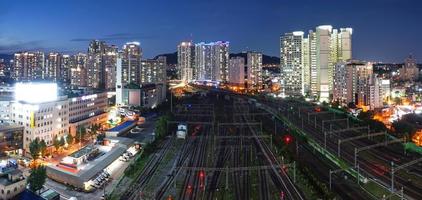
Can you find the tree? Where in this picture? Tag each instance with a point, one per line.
(56, 143)
(365, 116)
(80, 134)
(34, 148)
(403, 127)
(93, 130)
(398, 101)
(69, 138)
(43, 148)
(160, 126)
(62, 142)
(37, 178)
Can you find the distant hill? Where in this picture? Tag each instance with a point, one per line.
(171, 58)
(266, 60)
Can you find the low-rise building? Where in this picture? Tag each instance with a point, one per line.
(88, 109)
(81, 168)
(42, 113)
(147, 95)
(11, 184)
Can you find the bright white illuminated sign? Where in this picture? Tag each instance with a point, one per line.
(36, 92)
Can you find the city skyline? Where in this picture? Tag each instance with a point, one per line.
(384, 34)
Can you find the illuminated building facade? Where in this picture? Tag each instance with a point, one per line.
(237, 71)
(410, 70)
(95, 64)
(130, 68)
(254, 70)
(87, 109)
(42, 116)
(355, 82)
(66, 65)
(291, 64)
(211, 61)
(153, 70)
(78, 76)
(319, 52)
(110, 61)
(28, 66)
(185, 61)
(52, 69)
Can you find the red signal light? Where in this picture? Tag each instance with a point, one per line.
(287, 139)
(202, 174)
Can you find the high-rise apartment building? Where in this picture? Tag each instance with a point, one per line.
(355, 82)
(211, 61)
(291, 64)
(110, 61)
(237, 71)
(185, 61)
(52, 69)
(95, 64)
(314, 57)
(410, 70)
(153, 70)
(254, 70)
(78, 76)
(130, 68)
(66, 65)
(28, 66)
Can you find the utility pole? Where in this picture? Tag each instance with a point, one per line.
(294, 171)
(171, 101)
(356, 155)
(330, 172)
(392, 176)
(227, 178)
(358, 174)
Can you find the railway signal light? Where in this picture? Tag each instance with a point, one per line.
(201, 174)
(287, 139)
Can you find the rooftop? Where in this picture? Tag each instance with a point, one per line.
(122, 126)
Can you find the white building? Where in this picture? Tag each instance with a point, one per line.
(28, 66)
(385, 88)
(291, 64)
(130, 68)
(43, 116)
(254, 70)
(86, 110)
(211, 61)
(355, 82)
(309, 62)
(185, 60)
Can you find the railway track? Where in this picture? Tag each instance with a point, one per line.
(135, 190)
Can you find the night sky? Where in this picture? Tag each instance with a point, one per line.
(384, 30)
